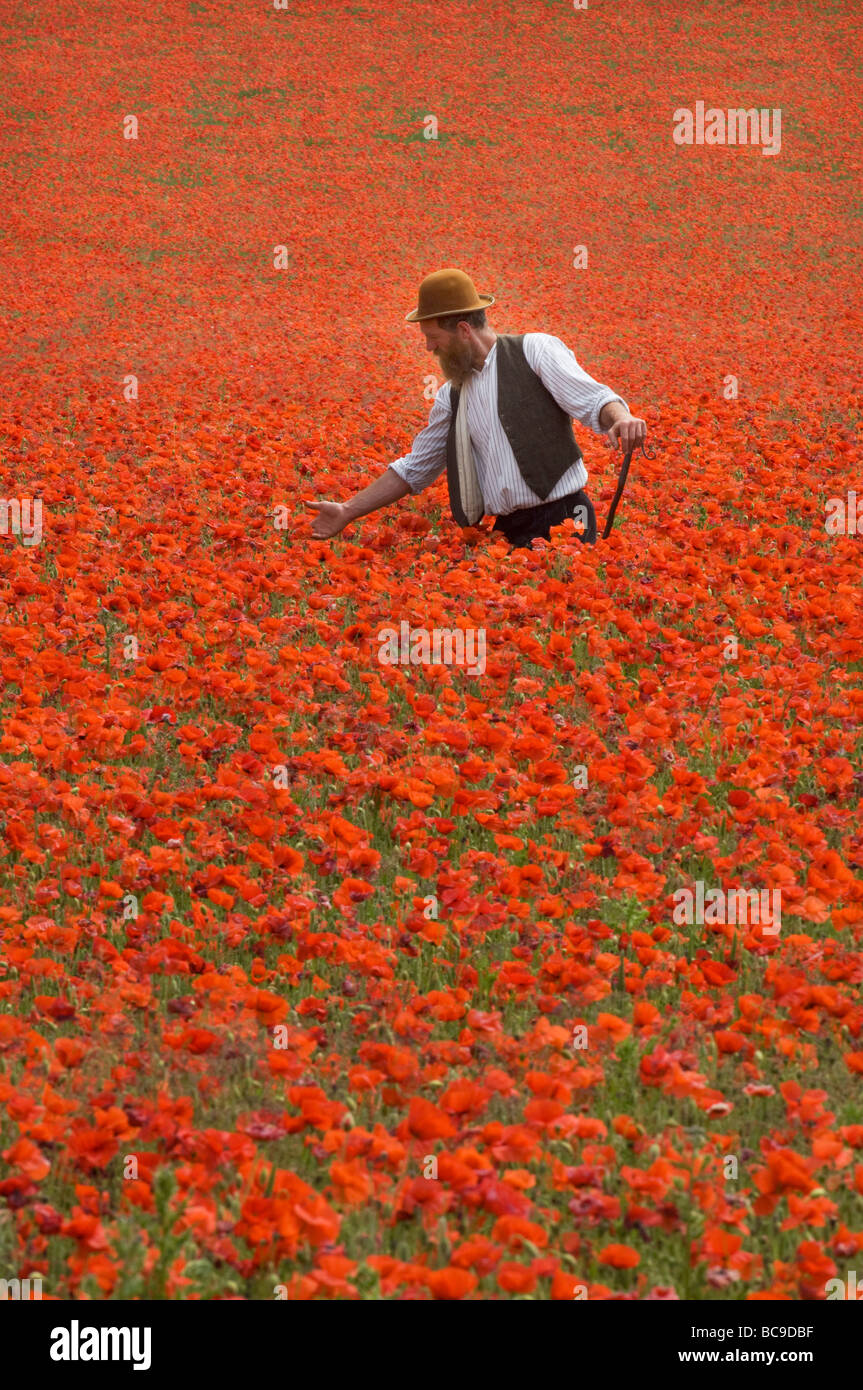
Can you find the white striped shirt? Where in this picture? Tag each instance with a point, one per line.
(503, 488)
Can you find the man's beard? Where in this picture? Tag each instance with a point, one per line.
(456, 361)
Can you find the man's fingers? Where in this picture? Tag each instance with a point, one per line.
(329, 520)
(633, 433)
(627, 433)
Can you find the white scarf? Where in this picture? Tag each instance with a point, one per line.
(468, 482)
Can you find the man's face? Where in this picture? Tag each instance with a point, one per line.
(454, 351)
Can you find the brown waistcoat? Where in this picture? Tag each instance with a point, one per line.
(538, 429)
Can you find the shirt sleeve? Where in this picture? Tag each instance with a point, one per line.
(573, 388)
(427, 458)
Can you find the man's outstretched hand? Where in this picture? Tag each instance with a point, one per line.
(332, 517)
(627, 433)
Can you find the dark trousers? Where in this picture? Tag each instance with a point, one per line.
(532, 523)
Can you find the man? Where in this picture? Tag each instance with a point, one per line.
(500, 424)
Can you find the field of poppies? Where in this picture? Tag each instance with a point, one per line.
(327, 978)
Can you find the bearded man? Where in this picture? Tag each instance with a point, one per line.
(501, 424)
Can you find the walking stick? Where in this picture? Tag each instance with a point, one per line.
(621, 484)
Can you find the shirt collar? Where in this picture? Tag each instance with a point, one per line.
(489, 355)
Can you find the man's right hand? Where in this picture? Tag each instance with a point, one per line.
(332, 517)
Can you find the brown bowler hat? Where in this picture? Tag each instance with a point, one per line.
(447, 292)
